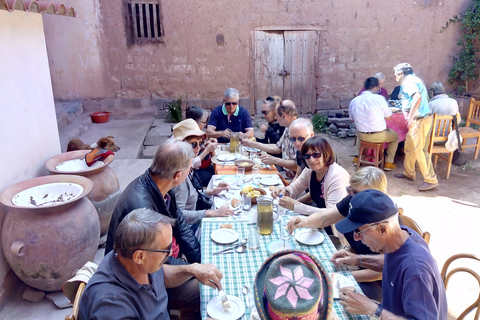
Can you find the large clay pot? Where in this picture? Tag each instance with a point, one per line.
(51, 230)
(106, 189)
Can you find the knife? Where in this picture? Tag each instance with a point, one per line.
(239, 244)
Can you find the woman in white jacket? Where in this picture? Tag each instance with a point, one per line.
(326, 180)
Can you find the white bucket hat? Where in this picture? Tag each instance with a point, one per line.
(70, 287)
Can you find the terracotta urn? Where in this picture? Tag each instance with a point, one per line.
(106, 188)
(51, 229)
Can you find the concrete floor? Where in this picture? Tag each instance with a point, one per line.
(452, 225)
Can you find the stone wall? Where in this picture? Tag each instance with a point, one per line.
(359, 39)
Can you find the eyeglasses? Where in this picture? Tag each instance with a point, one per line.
(358, 233)
(265, 111)
(307, 156)
(230, 103)
(351, 191)
(195, 144)
(269, 99)
(300, 139)
(153, 250)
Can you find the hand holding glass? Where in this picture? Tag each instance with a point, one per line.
(284, 233)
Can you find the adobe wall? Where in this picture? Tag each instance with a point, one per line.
(27, 114)
(360, 39)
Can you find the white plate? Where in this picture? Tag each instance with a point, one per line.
(76, 165)
(48, 195)
(226, 156)
(216, 311)
(338, 282)
(277, 245)
(269, 181)
(250, 149)
(309, 236)
(224, 236)
(229, 179)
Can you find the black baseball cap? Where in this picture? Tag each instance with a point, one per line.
(368, 206)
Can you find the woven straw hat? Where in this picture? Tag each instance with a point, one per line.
(187, 128)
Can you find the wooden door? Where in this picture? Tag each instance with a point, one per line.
(284, 64)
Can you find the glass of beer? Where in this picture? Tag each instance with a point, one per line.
(265, 214)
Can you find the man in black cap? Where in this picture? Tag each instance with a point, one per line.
(411, 283)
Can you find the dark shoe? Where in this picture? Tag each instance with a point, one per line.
(427, 186)
(401, 176)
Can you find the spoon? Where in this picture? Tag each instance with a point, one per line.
(240, 249)
(245, 293)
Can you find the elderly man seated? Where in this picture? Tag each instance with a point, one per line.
(286, 113)
(412, 286)
(369, 111)
(153, 190)
(441, 103)
(131, 281)
(229, 117)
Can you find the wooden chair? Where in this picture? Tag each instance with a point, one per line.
(377, 159)
(467, 132)
(76, 304)
(409, 222)
(441, 127)
(446, 277)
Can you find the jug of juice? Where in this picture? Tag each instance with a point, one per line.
(234, 141)
(265, 214)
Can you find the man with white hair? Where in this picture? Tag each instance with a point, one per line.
(411, 282)
(441, 103)
(229, 117)
(301, 130)
(419, 118)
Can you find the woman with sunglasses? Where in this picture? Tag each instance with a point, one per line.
(363, 179)
(325, 179)
(274, 130)
(189, 195)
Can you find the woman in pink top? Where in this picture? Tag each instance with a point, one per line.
(326, 180)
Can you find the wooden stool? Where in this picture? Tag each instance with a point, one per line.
(377, 159)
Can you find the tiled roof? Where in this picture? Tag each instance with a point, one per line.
(37, 6)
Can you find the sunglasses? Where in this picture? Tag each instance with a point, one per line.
(269, 99)
(351, 191)
(358, 233)
(230, 103)
(195, 144)
(307, 156)
(265, 111)
(300, 139)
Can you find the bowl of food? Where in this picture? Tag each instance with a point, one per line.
(247, 164)
(254, 193)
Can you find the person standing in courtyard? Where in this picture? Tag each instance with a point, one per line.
(369, 112)
(419, 118)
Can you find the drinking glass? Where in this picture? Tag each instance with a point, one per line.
(246, 202)
(284, 234)
(256, 174)
(238, 152)
(240, 175)
(253, 237)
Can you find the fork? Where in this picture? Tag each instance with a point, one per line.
(223, 297)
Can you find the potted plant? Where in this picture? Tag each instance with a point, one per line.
(465, 71)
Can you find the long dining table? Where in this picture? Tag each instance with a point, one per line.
(240, 269)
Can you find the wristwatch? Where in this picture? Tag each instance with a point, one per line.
(376, 315)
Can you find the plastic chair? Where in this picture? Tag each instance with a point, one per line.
(377, 159)
(442, 125)
(467, 132)
(447, 275)
(409, 222)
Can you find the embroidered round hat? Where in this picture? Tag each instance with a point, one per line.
(291, 285)
(187, 128)
(368, 206)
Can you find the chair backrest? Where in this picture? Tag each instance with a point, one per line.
(446, 277)
(441, 127)
(473, 113)
(409, 222)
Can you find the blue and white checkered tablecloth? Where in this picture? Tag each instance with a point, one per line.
(240, 269)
